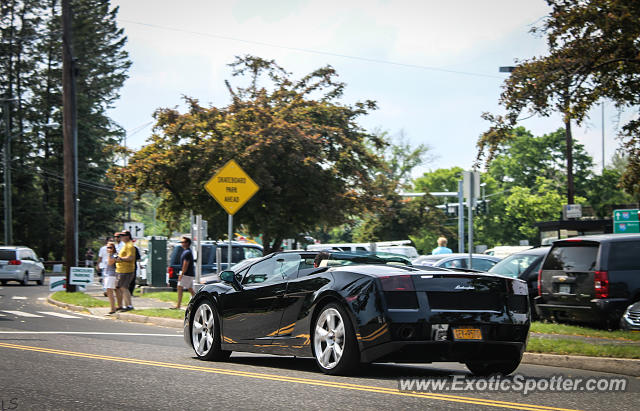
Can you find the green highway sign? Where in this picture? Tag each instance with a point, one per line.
(624, 216)
(623, 228)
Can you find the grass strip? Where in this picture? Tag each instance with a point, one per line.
(168, 296)
(160, 312)
(573, 347)
(78, 298)
(565, 329)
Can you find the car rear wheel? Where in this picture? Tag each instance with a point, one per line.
(205, 333)
(25, 279)
(40, 280)
(334, 344)
(489, 368)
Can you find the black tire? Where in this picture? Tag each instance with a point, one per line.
(336, 352)
(40, 281)
(206, 343)
(496, 367)
(3, 282)
(25, 279)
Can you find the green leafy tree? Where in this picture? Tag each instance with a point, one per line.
(305, 150)
(30, 72)
(593, 54)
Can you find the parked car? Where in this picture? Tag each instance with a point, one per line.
(525, 266)
(239, 252)
(503, 251)
(360, 308)
(590, 279)
(20, 264)
(479, 262)
(631, 318)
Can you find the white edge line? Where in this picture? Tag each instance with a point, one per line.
(89, 333)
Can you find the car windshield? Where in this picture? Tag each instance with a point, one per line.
(344, 258)
(7, 255)
(513, 265)
(580, 256)
(429, 259)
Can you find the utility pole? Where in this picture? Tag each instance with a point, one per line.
(8, 218)
(70, 145)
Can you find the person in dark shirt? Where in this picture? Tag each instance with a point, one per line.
(187, 272)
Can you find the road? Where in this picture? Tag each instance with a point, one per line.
(56, 359)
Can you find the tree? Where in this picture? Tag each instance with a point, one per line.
(593, 54)
(312, 161)
(30, 71)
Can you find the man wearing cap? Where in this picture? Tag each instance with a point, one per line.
(125, 271)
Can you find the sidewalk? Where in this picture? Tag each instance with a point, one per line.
(139, 303)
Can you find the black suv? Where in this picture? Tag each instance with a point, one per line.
(590, 279)
(239, 252)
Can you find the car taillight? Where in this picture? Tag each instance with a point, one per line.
(601, 284)
(397, 283)
(540, 283)
(170, 271)
(15, 262)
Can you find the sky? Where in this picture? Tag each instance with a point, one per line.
(431, 66)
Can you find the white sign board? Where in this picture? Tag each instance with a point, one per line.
(136, 229)
(57, 283)
(466, 184)
(81, 276)
(60, 284)
(572, 211)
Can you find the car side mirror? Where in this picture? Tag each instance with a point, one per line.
(230, 278)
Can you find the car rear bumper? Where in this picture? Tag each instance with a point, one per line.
(597, 311)
(11, 275)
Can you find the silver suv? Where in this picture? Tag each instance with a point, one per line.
(20, 264)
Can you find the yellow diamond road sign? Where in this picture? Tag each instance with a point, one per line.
(231, 187)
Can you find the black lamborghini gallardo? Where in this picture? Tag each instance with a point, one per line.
(360, 308)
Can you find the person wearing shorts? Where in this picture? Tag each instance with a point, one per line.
(125, 271)
(109, 274)
(187, 273)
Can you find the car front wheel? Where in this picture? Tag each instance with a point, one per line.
(334, 345)
(40, 280)
(205, 333)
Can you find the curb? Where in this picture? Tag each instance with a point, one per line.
(136, 318)
(68, 306)
(624, 366)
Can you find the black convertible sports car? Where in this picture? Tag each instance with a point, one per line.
(356, 308)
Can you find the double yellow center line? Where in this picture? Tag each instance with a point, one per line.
(281, 378)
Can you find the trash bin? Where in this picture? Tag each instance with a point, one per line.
(157, 262)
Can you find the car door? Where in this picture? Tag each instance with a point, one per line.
(252, 314)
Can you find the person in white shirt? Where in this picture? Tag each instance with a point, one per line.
(102, 260)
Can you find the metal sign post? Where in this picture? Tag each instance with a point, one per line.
(232, 188)
(230, 233)
(199, 247)
(460, 218)
(471, 194)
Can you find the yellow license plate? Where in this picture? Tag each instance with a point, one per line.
(467, 334)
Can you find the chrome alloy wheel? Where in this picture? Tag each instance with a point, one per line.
(203, 330)
(329, 338)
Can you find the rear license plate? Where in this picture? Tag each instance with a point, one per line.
(564, 289)
(467, 334)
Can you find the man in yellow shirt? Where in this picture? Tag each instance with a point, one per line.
(125, 271)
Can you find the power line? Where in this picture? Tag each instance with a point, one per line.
(312, 51)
